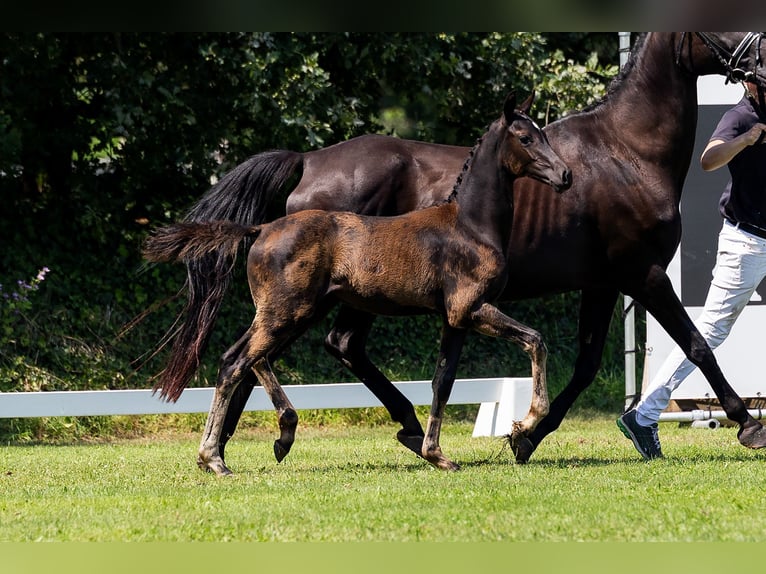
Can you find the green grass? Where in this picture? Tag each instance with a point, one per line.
(356, 483)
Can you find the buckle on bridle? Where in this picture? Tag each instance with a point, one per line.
(736, 74)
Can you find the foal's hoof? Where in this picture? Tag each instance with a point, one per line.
(214, 465)
(753, 436)
(440, 461)
(446, 464)
(523, 449)
(412, 442)
(280, 451)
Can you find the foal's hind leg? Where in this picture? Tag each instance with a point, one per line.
(236, 407)
(489, 320)
(234, 363)
(286, 415)
(347, 342)
(241, 395)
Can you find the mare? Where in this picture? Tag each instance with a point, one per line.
(615, 231)
(447, 259)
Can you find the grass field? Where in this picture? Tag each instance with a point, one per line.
(585, 483)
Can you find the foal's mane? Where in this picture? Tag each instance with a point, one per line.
(466, 168)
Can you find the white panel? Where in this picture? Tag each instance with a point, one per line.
(713, 90)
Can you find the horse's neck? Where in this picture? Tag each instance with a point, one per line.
(654, 112)
(484, 199)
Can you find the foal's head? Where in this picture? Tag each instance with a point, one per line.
(525, 150)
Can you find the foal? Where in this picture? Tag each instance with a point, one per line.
(448, 259)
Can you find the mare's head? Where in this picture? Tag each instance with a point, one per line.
(740, 56)
(525, 150)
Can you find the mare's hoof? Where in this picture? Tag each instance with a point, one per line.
(523, 449)
(753, 436)
(280, 452)
(412, 442)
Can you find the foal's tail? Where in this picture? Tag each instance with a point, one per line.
(189, 241)
(193, 242)
(245, 196)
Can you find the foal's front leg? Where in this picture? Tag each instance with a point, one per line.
(489, 320)
(444, 378)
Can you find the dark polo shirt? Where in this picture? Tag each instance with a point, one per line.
(744, 200)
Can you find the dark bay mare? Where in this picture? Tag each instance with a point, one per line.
(447, 259)
(614, 231)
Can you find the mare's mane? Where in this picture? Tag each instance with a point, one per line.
(617, 82)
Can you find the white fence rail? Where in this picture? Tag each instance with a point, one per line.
(502, 400)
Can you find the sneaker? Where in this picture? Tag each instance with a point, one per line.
(645, 439)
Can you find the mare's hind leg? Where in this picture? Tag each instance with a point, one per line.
(347, 342)
(596, 309)
(489, 320)
(446, 368)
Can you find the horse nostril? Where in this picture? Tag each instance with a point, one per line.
(567, 177)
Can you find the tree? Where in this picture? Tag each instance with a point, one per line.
(103, 135)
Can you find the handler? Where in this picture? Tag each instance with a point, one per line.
(737, 142)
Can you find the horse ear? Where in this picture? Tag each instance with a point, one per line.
(510, 107)
(527, 104)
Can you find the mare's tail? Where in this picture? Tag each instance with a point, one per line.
(243, 196)
(192, 242)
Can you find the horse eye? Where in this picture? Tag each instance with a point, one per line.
(525, 140)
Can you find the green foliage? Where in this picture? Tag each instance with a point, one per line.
(14, 304)
(106, 135)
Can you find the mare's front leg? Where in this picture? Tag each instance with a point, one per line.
(596, 307)
(656, 294)
(489, 320)
(446, 368)
(347, 342)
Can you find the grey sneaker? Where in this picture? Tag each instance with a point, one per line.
(645, 439)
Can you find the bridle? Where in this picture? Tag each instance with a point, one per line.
(731, 62)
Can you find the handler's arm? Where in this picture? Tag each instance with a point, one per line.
(718, 152)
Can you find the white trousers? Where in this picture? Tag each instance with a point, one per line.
(740, 267)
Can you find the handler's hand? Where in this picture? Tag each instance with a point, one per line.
(756, 134)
